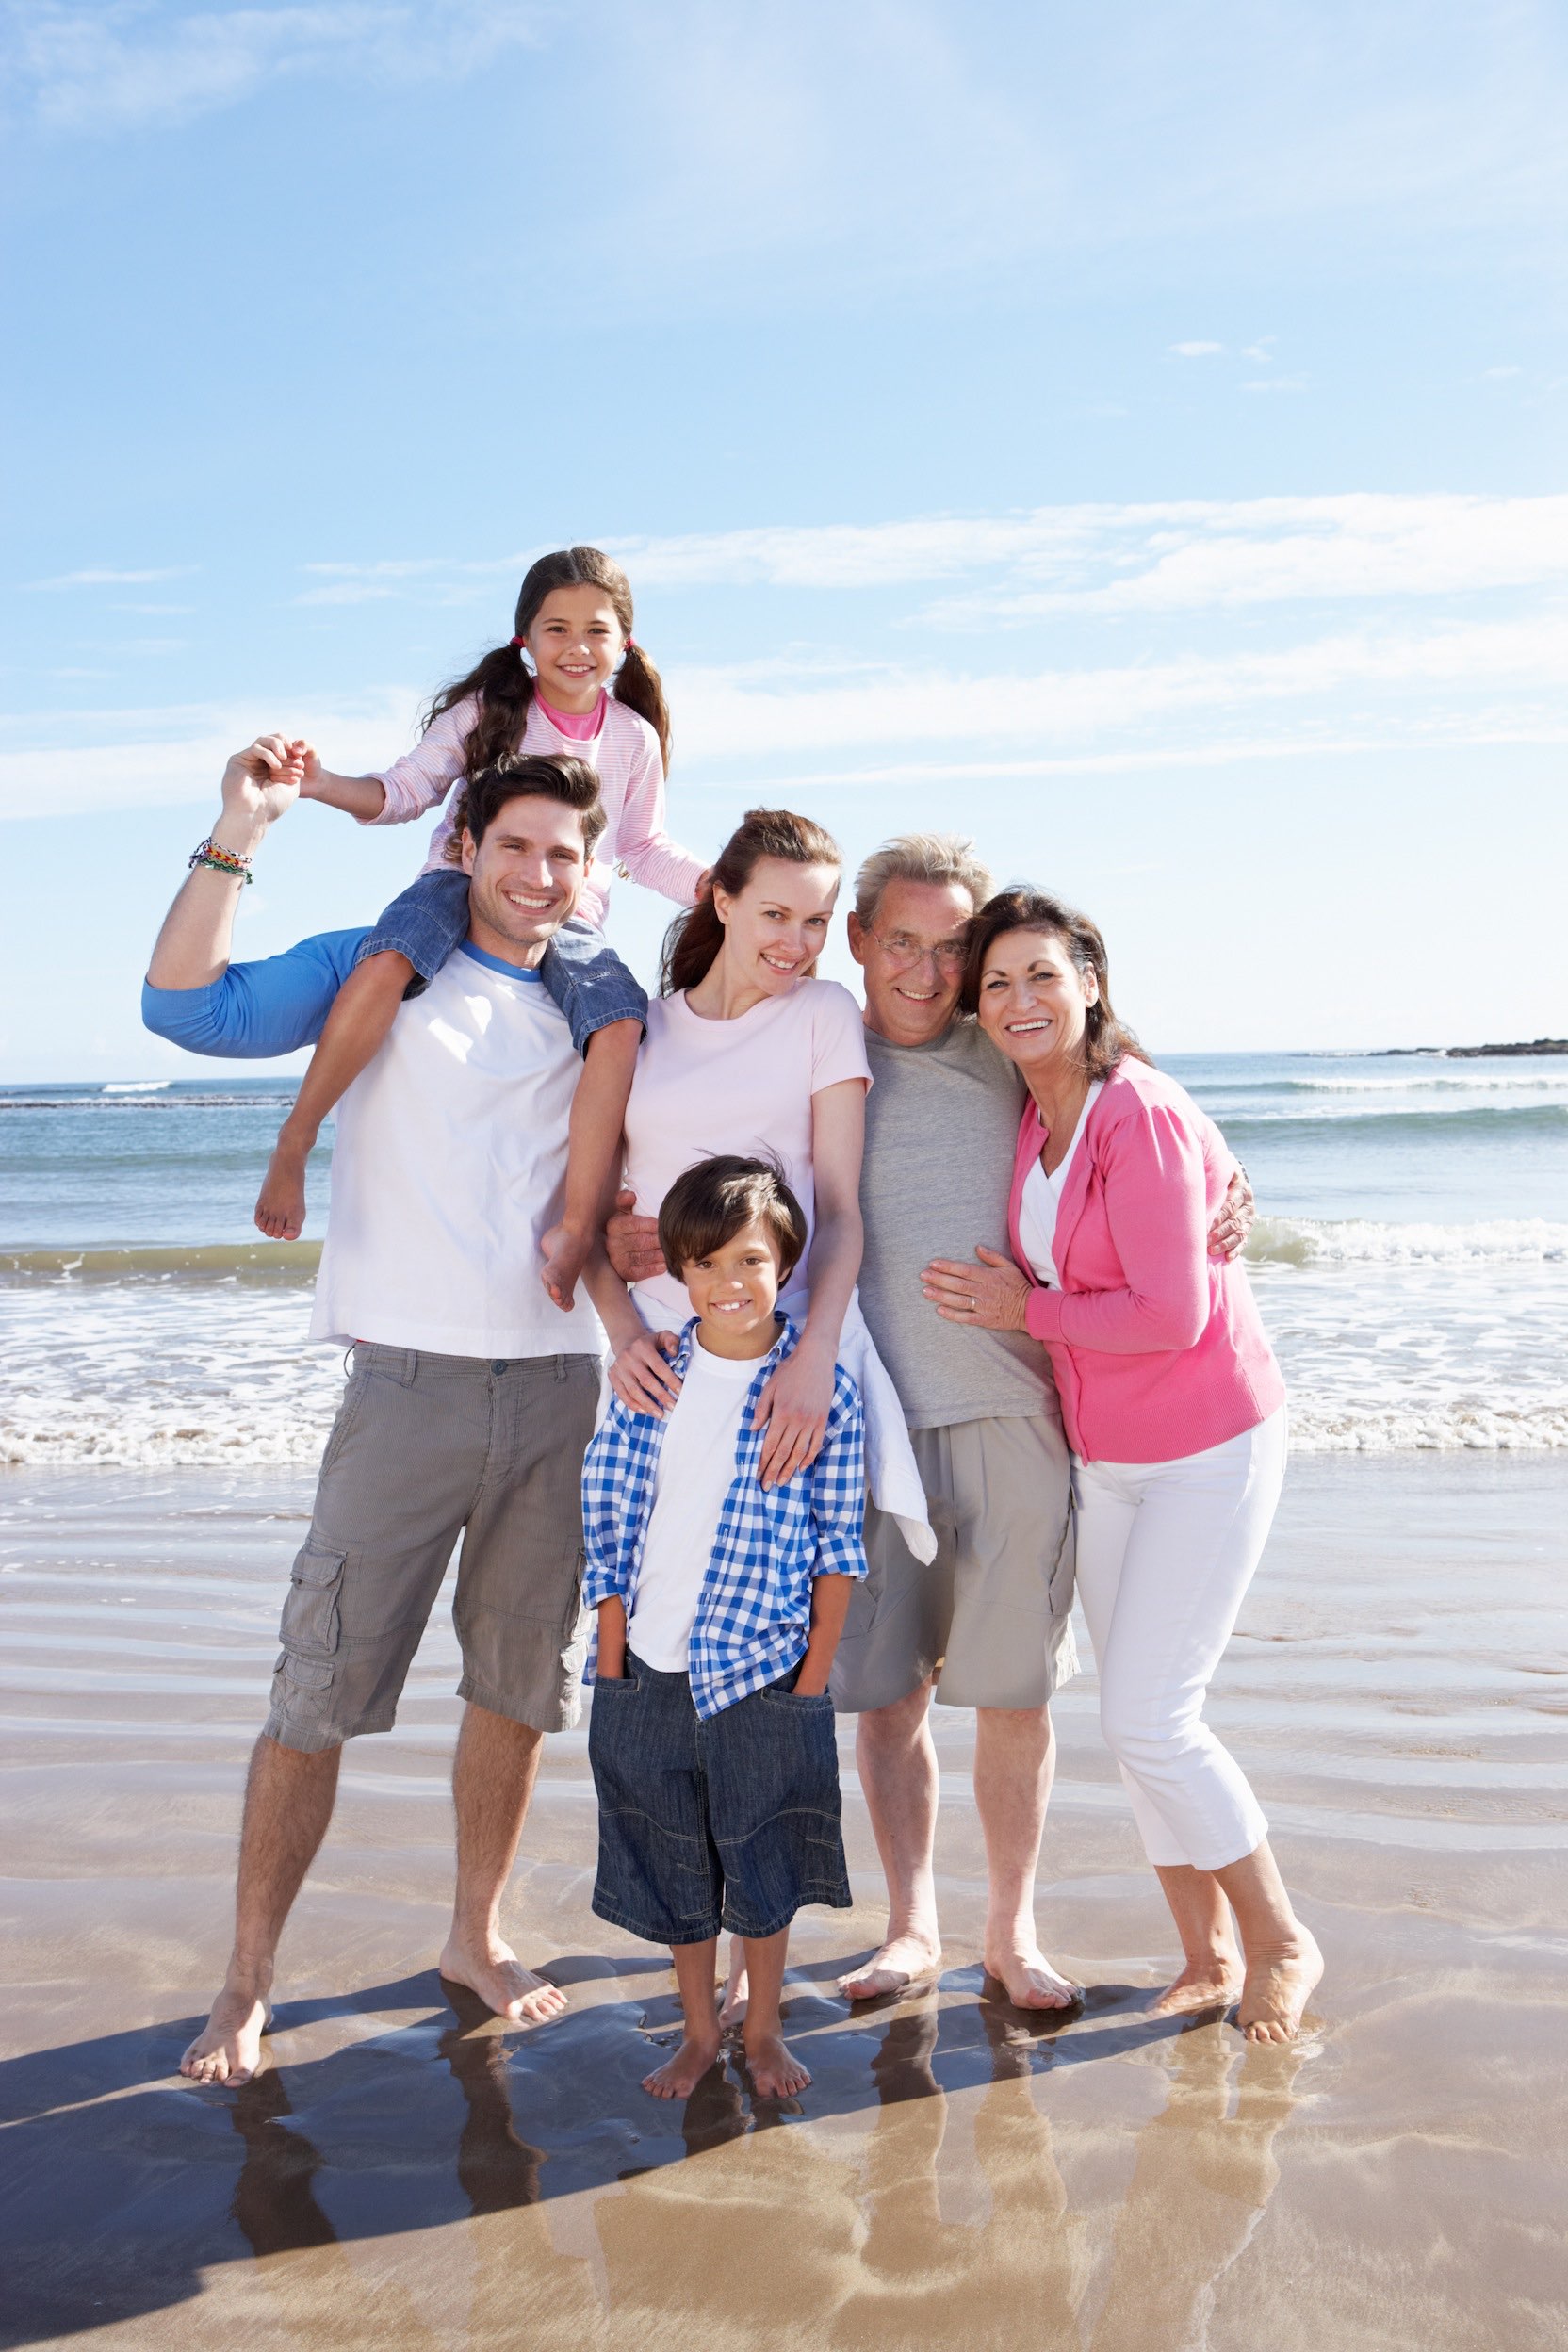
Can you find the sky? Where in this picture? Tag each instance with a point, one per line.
(1137, 438)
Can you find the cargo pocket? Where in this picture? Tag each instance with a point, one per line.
(310, 1621)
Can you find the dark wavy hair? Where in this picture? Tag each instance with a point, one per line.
(1106, 1041)
(694, 938)
(504, 683)
(572, 782)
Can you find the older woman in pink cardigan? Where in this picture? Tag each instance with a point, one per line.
(1175, 1412)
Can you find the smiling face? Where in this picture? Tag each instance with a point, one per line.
(734, 1289)
(912, 955)
(524, 876)
(575, 641)
(776, 926)
(1033, 1002)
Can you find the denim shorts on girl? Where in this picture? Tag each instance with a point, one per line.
(730, 1822)
(430, 919)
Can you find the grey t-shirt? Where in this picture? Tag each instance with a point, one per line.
(941, 1129)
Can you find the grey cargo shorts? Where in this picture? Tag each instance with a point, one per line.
(426, 1449)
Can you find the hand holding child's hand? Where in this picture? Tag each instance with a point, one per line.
(640, 1373)
(264, 781)
(793, 1409)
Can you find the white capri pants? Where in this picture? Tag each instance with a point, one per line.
(1165, 1552)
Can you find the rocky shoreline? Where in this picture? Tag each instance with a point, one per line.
(1473, 1052)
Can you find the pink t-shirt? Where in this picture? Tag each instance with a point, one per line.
(579, 727)
(744, 1085)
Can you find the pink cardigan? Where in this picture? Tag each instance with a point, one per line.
(1158, 1350)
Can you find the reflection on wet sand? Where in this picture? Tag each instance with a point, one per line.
(426, 2181)
(851, 2238)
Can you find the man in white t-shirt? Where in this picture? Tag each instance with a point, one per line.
(472, 1397)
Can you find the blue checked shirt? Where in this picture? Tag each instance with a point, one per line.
(754, 1612)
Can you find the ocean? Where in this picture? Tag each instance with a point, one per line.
(1411, 1260)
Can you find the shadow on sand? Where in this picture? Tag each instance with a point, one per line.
(124, 2186)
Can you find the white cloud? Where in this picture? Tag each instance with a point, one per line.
(1196, 351)
(1180, 555)
(101, 578)
(1481, 683)
(1275, 383)
(126, 66)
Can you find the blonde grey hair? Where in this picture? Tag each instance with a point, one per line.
(921, 857)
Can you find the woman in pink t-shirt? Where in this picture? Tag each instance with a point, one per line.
(747, 1051)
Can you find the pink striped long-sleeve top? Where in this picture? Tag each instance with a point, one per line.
(626, 754)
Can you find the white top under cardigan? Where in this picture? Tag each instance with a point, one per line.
(1043, 1197)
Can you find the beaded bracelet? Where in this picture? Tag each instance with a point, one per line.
(221, 860)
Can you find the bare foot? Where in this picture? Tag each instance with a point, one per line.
(228, 2048)
(1212, 1983)
(1030, 1979)
(775, 2071)
(733, 2008)
(902, 1961)
(281, 1204)
(565, 1255)
(1275, 1989)
(678, 2077)
(501, 1982)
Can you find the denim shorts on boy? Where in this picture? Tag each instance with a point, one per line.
(426, 1447)
(584, 975)
(730, 1820)
(990, 1616)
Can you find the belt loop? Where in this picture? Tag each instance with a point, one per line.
(408, 1370)
(560, 1367)
(349, 1358)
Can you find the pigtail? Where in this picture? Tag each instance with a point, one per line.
(639, 685)
(504, 685)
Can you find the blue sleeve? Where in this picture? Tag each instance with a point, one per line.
(256, 1010)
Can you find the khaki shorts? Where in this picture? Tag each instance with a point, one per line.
(989, 1617)
(426, 1449)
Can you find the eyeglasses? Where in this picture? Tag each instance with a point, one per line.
(903, 951)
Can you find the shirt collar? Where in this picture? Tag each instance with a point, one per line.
(783, 1345)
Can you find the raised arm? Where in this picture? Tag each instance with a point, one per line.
(259, 786)
(194, 996)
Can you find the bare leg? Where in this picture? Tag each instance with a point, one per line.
(289, 1802)
(775, 2071)
(354, 1030)
(897, 1764)
(493, 1777)
(594, 1152)
(1282, 1960)
(1202, 1917)
(1015, 1760)
(678, 2077)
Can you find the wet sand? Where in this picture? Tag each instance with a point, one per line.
(411, 2176)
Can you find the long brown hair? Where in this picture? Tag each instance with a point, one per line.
(694, 938)
(504, 683)
(1106, 1041)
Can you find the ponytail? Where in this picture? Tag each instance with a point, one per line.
(693, 941)
(639, 685)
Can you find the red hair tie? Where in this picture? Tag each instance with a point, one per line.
(632, 647)
(519, 641)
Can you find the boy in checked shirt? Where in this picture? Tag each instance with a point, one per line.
(720, 1604)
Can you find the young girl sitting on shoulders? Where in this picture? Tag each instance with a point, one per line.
(572, 684)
